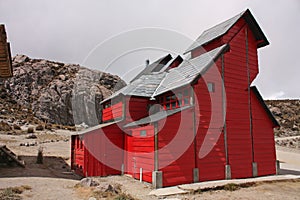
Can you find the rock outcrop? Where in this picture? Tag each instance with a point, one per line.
(59, 93)
(287, 113)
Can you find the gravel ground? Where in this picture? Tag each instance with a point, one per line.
(53, 179)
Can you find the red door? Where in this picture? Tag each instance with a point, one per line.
(129, 155)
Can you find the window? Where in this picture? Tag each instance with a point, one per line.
(173, 101)
(143, 133)
(211, 87)
(186, 97)
(106, 105)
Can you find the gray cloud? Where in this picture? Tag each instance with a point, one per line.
(67, 31)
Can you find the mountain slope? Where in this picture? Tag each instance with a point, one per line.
(59, 93)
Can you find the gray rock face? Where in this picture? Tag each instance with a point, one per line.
(60, 93)
(287, 113)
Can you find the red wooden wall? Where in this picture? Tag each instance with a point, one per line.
(238, 115)
(113, 112)
(263, 136)
(210, 138)
(102, 150)
(140, 153)
(176, 148)
(136, 108)
(77, 155)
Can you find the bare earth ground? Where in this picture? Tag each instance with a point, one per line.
(54, 180)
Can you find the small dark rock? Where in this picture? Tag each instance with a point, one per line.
(31, 136)
(39, 127)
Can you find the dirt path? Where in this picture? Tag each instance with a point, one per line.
(53, 179)
(43, 188)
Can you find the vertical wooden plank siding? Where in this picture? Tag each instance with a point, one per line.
(210, 137)
(104, 155)
(238, 116)
(77, 155)
(263, 136)
(176, 148)
(136, 108)
(113, 112)
(140, 152)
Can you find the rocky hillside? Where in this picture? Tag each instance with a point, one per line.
(54, 92)
(287, 113)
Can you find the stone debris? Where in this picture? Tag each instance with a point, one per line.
(88, 182)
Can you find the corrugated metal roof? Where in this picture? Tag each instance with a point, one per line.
(144, 86)
(154, 84)
(100, 126)
(214, 32)
(5, 55)
(156, 117)
(186, 72)
(222, 28)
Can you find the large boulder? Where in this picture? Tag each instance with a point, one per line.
(59, 93)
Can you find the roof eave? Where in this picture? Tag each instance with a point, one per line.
(253, 24)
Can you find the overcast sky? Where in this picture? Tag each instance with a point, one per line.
(81, 32)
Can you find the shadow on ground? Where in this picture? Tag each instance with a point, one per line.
(55, 167)
(287, 171)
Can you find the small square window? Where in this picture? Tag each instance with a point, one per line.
(211, 87)
(186, 101)
(179, 95)
(179, 103)
(143, 133)
(168, 106)
(173, 104)
(186, 92)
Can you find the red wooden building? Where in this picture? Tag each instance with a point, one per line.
(188, 120)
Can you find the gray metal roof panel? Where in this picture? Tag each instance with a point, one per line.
(100, 126)
(156, 116)
(151, 85)
(186, 72)
(144, 86)
(214, 32)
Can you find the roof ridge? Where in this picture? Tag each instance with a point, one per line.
(230, 22)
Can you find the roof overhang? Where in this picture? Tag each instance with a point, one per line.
(250, 20)
(100, 126)
(257, 31)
